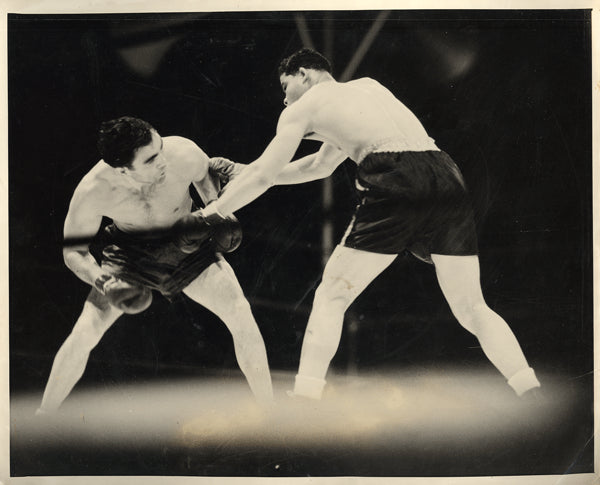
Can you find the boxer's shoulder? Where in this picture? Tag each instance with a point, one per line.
(98, 182)
(185, 157)
(181, 148)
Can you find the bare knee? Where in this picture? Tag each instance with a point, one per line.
(335, 294)
(470, 314)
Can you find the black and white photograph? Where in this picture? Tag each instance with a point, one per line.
(321, 244)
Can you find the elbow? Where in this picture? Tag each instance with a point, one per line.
(265, 182)
(329, 170)
(68, 257)
(262, 178)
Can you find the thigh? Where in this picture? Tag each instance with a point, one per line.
(382, 225)
(97, 315)
(354, 269)
(458, 277)
(216, 288)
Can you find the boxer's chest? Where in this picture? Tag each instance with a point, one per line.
(151, 206)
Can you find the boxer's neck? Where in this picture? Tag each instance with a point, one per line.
(144, 187)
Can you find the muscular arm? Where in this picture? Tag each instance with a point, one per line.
(261, 174)
(81, 224)
(207, 190)
(312, 167)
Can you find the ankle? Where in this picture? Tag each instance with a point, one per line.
(310, 387)
(523, 380)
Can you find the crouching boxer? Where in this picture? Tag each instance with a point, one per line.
(155, 243)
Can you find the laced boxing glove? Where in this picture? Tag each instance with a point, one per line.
(227, 235)
(127, 297)
(193, 229)
(190, 231)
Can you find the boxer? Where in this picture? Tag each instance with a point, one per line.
(154, 243)
(413, 197)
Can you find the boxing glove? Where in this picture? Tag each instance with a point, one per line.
(127, 297)
(227, 234)
(190, 231)
(223, 170)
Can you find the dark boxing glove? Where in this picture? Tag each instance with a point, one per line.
(127, 297)
(227, 235)
(190, 231)
(227, 231)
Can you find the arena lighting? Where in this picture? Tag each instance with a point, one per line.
(143, 44)
(145, 59)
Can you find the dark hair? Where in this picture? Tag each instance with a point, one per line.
(118, 139)
(307, 58)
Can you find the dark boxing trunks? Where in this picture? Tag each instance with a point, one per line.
(414, 201)
(157, 265)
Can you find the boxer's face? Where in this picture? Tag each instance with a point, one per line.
(294, 86)
(149, 163)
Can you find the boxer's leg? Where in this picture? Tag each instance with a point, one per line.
(347, 273)
(71, 359)
(218, 289)
(458, 277)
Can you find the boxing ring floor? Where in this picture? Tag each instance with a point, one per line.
(415, 422)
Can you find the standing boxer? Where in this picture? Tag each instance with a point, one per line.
(142, 184)
(412, 197)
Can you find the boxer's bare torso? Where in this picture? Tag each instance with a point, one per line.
(360, 116)
(152, 195)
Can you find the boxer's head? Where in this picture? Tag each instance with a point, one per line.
(300, 71)
(119, 139)
(133, 147)
(306, 58)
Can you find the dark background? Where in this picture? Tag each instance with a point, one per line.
(506, 93)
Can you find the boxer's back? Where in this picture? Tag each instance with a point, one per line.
(361, 114)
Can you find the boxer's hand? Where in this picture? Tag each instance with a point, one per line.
(127, 297)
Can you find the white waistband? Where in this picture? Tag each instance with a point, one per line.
(396, 144)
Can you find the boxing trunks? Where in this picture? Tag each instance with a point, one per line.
(412, 200)
(156, 264)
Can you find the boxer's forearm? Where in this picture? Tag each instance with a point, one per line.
(244, 190)
(83, 265)
(300, 171)
(260, 175)
(316, 166)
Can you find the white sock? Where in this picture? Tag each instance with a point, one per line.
(309, 386)
(523, 381)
